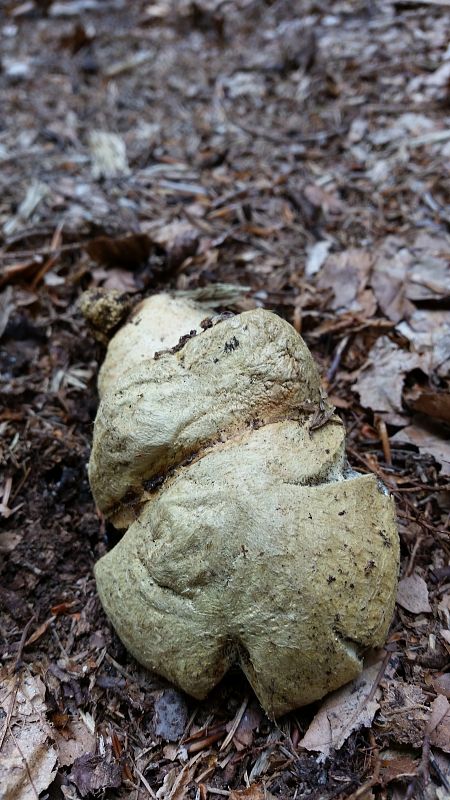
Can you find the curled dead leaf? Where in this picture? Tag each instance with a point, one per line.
(25, 737)
(343, 712)
(412, 594)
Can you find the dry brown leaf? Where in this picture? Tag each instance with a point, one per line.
(395, 766)
(389, 276)
(428, 331)
(429, 272)
(166, 235)
(412, 594)
(120, 280)
(381, 380)
(243, 736)
(430, 402)
(406, 273)
(92, 773)
(427, 440)
(27, 757)
(73, 742)
(439, 708)
(40, 630)
(179, 240)
(343, 712)
(320, 198)
(254, 792)
(441, 684)
(347, 274)
(439, 724)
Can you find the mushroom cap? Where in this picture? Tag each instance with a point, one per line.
(256, 554)
(248, 537)
(157, 323)
(252, 368)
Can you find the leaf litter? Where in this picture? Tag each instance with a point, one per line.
(286, 155)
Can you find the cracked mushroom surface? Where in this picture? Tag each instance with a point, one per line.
(247, 538)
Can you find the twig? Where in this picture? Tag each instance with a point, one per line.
(235, 725)
(302, 138)
(435, 766)
(445, 3)
(412, 558)
(119, 668)
(22, 643)
(384, 438)
(145, 783)
(434, 137)
(202, 744)
(337, 357)
(52, 259)
(379, 677)
(42, 251)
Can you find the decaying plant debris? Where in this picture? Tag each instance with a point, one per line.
(297, 149)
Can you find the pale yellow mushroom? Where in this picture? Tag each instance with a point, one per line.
(248, 538)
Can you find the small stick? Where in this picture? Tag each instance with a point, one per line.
(235, 725)
(384, 438)
(145, 783)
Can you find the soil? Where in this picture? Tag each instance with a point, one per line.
(253, 131)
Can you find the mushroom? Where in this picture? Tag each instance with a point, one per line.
(248, 538)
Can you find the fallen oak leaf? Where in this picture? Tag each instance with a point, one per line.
(344, 712)
(397, 767)
(439, 723)
(27, 759)
(73, 740)
(426, 438)
(430, 402)
(381, 380)
(439, 708)
(412, 595)
(347, 275)
(92, 773)
(441, 684)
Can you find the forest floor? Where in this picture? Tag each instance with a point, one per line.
(297, 151)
